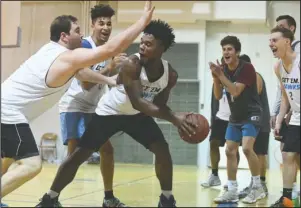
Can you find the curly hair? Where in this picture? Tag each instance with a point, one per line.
(101, 10)
(231, 40)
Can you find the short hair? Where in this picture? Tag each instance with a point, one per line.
(101, 10)
(61, 24)
(290, 20)
(231, 40)
(161, 31)
(286, 33)
(245, 58)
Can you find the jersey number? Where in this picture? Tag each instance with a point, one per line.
(291, 95)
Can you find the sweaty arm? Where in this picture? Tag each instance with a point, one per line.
(130, 78)
(284, 106)
(247, 77)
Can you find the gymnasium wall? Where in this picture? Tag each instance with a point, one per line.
(35, 32)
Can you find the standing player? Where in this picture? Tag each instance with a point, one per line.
(288, 73)
(239, 80)
(220, 113)
(261, 144)
(145, 84)
(287, 22)
(79, 102)
(40, 82)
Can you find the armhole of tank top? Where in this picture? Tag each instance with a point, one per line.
(49, 69)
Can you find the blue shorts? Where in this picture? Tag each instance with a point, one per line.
(74, 124)
(236, 132)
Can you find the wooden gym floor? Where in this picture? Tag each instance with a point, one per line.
(136, 185)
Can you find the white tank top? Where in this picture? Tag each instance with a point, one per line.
(77, 99)
(224, 109)
(25, 95)
(116, 101)
(291, 83)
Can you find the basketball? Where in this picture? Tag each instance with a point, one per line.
(202, 130)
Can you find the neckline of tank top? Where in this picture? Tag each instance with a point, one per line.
(295, 60)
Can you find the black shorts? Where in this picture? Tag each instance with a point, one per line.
(218, 131)
(283, 132)
(140, 127)
(292, 139)
(17, 141)
(261, 144)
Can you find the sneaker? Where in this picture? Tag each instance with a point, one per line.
(227, 197)
(212, 181)
(113, 202)
(255, 194)
(243, 193)
(226, 186)
(3, 205)
(265, 188)
(283, 202)
(46, 201)
(164, 202)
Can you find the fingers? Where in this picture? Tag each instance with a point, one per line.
(147, 5)
(217, 61)
(187, 129)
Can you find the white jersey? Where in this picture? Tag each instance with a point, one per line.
(77, 99)
(25, 95)
(117, 102)
(291, 83)
(224, 109)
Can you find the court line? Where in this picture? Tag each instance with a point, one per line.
(117, 185)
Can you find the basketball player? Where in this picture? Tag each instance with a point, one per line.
(79, 102)
(239, 80)
(287, 22)
(40, 82)
(261, 144)
(288, 73)
(145, 84)
(220, 113)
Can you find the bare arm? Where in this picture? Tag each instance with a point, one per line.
(259, 83)
(235, 89)
(217, 89)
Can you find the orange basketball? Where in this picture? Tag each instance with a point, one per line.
(202, 130)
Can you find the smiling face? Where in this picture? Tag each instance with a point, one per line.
(279, 44)
(102, 28)
(230, 55)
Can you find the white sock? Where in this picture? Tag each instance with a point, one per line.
(167, 194)
(52, 194)
(232, 185)
(256, 181)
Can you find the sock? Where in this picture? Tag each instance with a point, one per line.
(109, 194)
(167, 194)
(262, 178)
(287, 193)
(232, 185)
(295, 187)
(256, 181)
(215, 172)
(52, 194)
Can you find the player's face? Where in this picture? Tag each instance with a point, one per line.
(279, 44)
(283, 23)
(230, 55)
(102, 28)
(74, 38)
(150, 48)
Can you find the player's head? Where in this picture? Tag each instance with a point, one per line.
(65, 30)
(287, 22)
(245, 58)
(280, 41)
(157, 38)
(101, 16)
(231, 49)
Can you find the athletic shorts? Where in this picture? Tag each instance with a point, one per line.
(283, 132)
(235, 132)
(261, 144)
(218, 131)
(17, 141)
(292, 139)
(73, 125)
(140, 127)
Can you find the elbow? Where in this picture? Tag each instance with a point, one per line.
(137, 106)
(218, 97)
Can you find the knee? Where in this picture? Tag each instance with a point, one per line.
(33, 165)
(247, 150)
(288, 158)
(107, 150)
(231, 152)
(214, 145)
(160, 148)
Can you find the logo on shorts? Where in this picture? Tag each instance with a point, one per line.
(255, 118)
